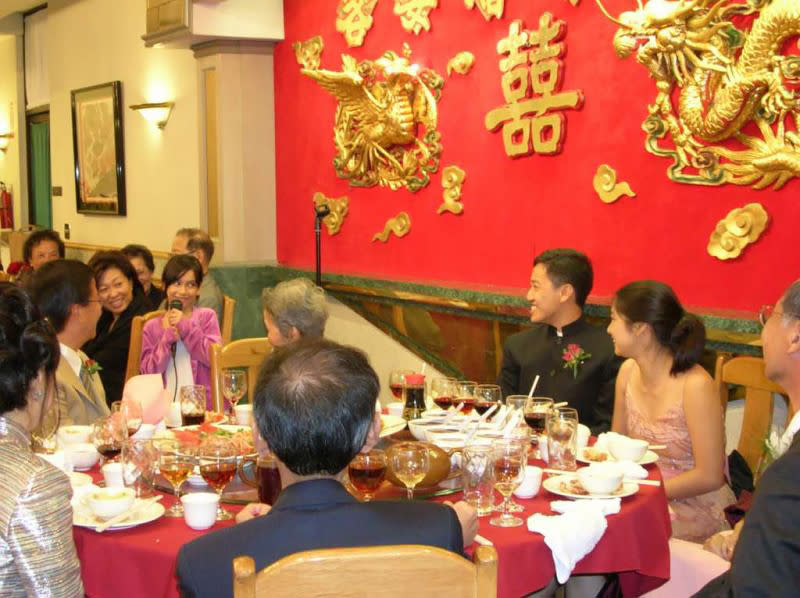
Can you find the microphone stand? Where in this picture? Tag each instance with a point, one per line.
(320, 212)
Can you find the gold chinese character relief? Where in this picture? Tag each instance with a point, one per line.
(607, 187)
(532, 120)
(385, 123)
(399, 225)
(309, 52)
(452, 180)
(354, 19)
(338, 207)
(740, 228)
(488, 8)
(414, 14)
(461, 63)
(724, 109)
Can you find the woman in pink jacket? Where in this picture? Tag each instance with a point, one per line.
(176, 346)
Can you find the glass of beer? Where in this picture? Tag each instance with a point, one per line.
(366, 472)
(410, 463)
(193, 404)
(266, 477)
(175, 466)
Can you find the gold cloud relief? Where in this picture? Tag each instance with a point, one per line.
(399, 225)
(452, 179)
(607, 187)
(338, 206)
(737, 230)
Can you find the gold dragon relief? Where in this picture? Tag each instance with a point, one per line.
(385, 124)
(726, 106)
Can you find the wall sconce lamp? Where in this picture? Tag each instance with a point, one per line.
(156, 113)
(4, 139)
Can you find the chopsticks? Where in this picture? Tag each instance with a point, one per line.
(123, 516)
(483, 541)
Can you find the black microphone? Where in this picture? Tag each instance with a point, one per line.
(320, 211)
(175, 304)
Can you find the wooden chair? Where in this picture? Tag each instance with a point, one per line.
(378, 571)
(246, 353)
(226, 326)
(749, 372)
(135, 347)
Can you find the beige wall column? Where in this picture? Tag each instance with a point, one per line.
(13, 162)
(240, 139)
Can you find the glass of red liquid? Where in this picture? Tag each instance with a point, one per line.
(267, 478)
(486, 395)
(536, 411)
(218, 466)
(366, 472)
(443, 391)
(193, 404)
(466, 395)
(397, 382)
(109, 433)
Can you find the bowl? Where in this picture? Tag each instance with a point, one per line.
(439, 467)
(82, 455)
(597, 479)
(419, 427)
(623, 448)
(107, 503)
(145, 432)
(74, 434)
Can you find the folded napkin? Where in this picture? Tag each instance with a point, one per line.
(572, 535)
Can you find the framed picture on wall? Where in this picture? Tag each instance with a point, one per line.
(98, 149)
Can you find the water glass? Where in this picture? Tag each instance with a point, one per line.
(562, 433)
(138, 465)
(477, 474)
(234, 387)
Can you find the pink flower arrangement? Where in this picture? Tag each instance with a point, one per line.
(573, 357)
(92, 366)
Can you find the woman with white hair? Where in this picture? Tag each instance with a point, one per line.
(294, 309)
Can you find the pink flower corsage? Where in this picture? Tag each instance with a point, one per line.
(573, 357)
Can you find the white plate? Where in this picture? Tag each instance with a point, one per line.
(79, 479)
(553, 484)
(649, 457)
(82, 516)
(391, 425)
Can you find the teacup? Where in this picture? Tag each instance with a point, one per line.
(530, 483)
(200, 509)
(112, 474)
(395, 408)
(106, 503)
(74, 434)
(623, 448)
(244, 414)
(600, 479)
(82, 455)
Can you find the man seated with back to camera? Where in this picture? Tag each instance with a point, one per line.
(314, 408)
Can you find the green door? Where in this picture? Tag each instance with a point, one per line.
(41, 205)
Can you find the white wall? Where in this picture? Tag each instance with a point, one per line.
(97, 41)
(10, 172)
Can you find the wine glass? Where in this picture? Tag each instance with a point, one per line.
(465, 393)
(218, 466)
(109, 434)
(397, 382)
(516, 402)
(175, 466)
(536, 411)
(131, 410)
(138, 465)
(44, 436)
(410, 463)
(234, 387)
(509, 463)
(443, 392)
(367, 471)
(486, 395)
(193, 404)
(562, 432)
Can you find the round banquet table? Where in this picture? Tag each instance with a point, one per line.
(140, 561)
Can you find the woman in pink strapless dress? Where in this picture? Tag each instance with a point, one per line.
(664, 396)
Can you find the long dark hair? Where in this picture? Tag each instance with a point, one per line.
(656, 304)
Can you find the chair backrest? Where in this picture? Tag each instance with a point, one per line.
(135, 346)
(377, 571)
(748, 372)
(228, 311)
(246, 353)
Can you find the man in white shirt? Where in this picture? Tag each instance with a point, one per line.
(66, 293)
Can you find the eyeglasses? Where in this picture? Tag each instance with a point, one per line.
(766, 312)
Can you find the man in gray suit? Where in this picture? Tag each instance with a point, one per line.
(66, 293)
(198, 243)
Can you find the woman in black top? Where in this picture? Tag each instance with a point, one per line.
(142, 261)
(122, 298)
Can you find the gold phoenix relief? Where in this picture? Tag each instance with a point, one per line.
(737, 230)
(338, 207)
(385, 123)
(452, 180)
(606, 185)
(399, 225)
(461, 63)
(488, 8)
(414, 14)
(309, 52)
(724, 109)
(354, 19)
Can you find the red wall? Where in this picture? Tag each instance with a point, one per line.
(514, 209)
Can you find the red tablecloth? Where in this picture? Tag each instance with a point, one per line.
(140, 562)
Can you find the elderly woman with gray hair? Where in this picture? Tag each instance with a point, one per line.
(294, 309)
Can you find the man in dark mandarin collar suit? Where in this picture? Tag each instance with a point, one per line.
(766, 558)
(314, 406)
(560, 283)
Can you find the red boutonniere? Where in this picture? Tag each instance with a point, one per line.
(573, 357)
(91, 366)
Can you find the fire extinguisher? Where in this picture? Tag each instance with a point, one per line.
(6, 208)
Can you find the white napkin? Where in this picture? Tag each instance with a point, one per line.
(573, 535)
(60, 459)
(607, 506)
(603, 439)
